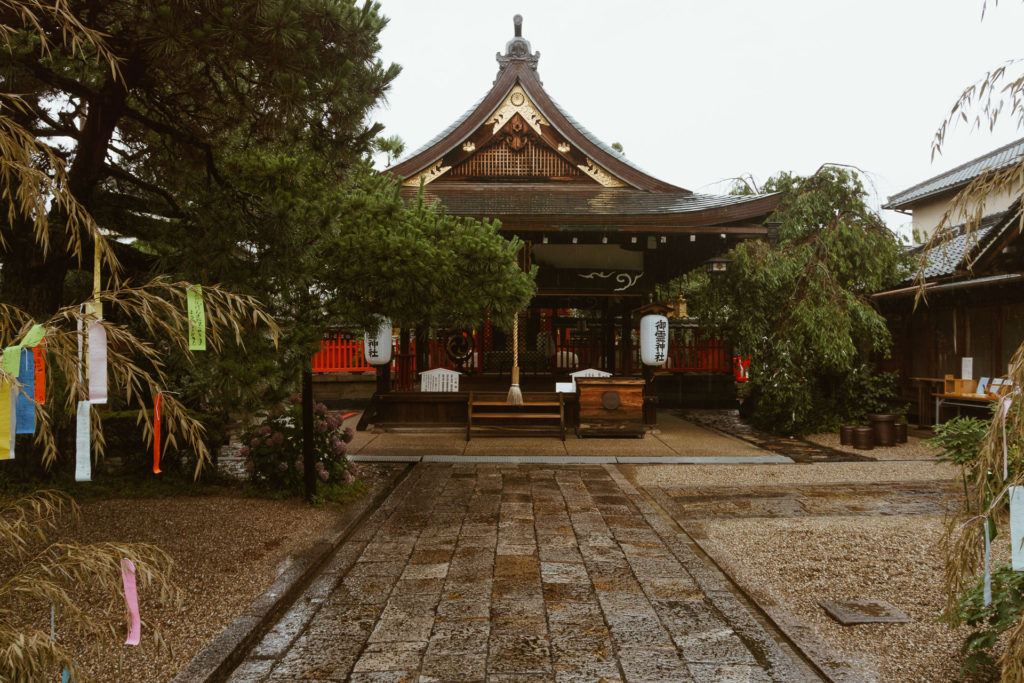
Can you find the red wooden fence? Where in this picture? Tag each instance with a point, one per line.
(344, 353)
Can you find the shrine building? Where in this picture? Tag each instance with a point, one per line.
(603, 233)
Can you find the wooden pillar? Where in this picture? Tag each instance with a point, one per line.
(422, 351)
(404, 361)
(608, 331)
(627, 338)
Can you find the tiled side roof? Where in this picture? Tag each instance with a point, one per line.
(946, 259)
(959, 176)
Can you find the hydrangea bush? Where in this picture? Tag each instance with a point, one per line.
(274, 447)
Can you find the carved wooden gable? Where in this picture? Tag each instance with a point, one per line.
(516, 144)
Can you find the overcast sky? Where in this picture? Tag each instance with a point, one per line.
(698, 92)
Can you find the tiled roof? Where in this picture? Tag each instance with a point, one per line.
(951, 256)
(593, 138)
(959, 176)
(515, 199)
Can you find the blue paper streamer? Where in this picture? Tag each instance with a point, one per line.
(25, 406)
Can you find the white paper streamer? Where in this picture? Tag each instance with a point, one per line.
(97, 363)
(83, 445)
(987, 595)
(1017, 527)
(1004, 409)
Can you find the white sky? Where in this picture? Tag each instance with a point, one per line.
(698, 92)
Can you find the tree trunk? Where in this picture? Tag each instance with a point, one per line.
(308, 471)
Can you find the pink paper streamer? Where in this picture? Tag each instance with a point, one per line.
(131, 599)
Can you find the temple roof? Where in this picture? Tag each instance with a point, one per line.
(958, 177)
(516, 152)
(504, 200)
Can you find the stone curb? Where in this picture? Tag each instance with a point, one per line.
(584, 459)
(220, 656)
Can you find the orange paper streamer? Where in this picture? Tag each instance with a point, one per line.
(156, 433)
(39, 357)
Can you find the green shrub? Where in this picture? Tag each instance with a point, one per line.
(989, 623)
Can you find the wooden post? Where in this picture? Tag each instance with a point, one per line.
(627, 339)
(308, 469)
(404, 358)
(384, 378)
(608, 331)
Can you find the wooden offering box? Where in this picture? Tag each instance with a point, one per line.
(611, 406)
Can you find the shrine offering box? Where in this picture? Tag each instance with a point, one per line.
(611, 406)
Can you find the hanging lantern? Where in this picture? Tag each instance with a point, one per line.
(377, 344)
(654, 339)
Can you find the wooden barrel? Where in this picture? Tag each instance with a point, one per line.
(846, 434)
(901, 432)
(885, 429)
(864, 438)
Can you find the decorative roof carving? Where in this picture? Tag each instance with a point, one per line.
(517, 102)
(518, 49)
(429, 175)
(598, 173)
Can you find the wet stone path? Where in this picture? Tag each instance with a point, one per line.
(518, 573)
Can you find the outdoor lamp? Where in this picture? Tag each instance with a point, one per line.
(377, 343)
(717, 265)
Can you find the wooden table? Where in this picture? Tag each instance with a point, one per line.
(961, 401)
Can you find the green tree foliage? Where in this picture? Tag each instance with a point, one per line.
(192, 78)
(799, 304)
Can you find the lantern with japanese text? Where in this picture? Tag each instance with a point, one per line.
(654, 339)
(377, 344)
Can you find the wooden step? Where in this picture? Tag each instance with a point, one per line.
(518, 416)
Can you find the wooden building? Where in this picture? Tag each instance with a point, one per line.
(602, 232)
(974, 287)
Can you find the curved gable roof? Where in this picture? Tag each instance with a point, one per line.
(518, 66)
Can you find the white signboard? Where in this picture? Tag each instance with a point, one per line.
(967, 368)
(654, 339)
(439, 379)
(377, 344)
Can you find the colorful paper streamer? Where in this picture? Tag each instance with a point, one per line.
(83, 443)
(1017, 528)
(157, 405)
(8, 398)
(97, 365)
(11, 363)
(39, 383)
(131, 599)
(25, 404)
(196, 319)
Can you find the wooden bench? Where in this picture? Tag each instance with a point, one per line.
(539, 412)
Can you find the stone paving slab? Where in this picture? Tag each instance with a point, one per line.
(499, 572)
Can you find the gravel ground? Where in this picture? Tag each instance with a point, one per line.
(767, 475)
(914, 449)
(799, 562)
(227, 550)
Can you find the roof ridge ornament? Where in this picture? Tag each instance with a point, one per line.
(518, 49)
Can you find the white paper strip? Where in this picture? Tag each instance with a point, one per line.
(83, 444)
(97, 363)
(1017, 527)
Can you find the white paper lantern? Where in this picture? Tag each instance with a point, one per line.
(377, 344)
(654, 339)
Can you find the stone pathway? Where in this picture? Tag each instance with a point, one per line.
(519, 573)
(728, 422)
